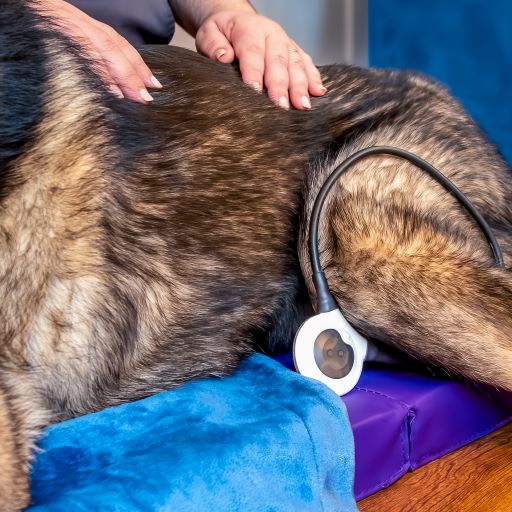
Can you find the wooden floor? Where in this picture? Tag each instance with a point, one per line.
(475, 478)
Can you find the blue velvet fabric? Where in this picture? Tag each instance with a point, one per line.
(466, 45)
(263, 439)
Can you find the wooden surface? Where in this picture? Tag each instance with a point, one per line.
(475, 478)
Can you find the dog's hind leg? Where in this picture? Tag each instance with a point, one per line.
(20, 420)
(419, 279)
(13, 477)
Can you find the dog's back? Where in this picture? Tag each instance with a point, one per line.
(142, 246)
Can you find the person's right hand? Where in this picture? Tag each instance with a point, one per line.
(118, 61)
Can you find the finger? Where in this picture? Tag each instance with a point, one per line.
(315, 85)
(299, 95)
(250, 50)
(210, 41)
(276, 71)
(120, 69)
(133, 56)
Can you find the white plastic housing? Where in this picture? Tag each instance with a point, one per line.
(303, 349)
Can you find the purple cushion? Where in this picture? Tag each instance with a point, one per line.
(401, 421)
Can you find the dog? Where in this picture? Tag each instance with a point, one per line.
(143, 246)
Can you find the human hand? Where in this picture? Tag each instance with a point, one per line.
(118, 61)
(267, 56)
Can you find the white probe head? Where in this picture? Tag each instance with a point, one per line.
(327, 348)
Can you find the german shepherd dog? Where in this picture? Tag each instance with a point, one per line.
(142, 246)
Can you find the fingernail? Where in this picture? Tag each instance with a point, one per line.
(283, 102)
(305, 102)
(220, 53)
(155, 82)
(114, 89)
(256, 86)
(144, 94)
(324, 89)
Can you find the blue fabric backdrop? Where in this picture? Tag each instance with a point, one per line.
(465, 44)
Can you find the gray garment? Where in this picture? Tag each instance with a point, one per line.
(139, 21)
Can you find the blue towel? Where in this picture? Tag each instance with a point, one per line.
(263, 439)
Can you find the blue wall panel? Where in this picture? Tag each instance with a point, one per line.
(466, 44)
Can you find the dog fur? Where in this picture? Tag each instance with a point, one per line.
(143, 246)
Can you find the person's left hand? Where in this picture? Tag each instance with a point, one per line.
(267, 56)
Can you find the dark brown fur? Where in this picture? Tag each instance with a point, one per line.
(142, 246)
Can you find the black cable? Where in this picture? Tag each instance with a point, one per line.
(326, 301)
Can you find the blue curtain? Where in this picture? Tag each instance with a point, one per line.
(466, 44)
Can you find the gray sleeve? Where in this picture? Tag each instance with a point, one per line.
(141, 22)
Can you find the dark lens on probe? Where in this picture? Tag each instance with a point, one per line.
(332, 355)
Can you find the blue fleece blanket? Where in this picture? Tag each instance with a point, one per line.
(263, 439)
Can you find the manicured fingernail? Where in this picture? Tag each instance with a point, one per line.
(144, 94)
(256, 86)
(220, 53)
(283, 102)
(305, 102)
(116, 91)
(155, 82)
